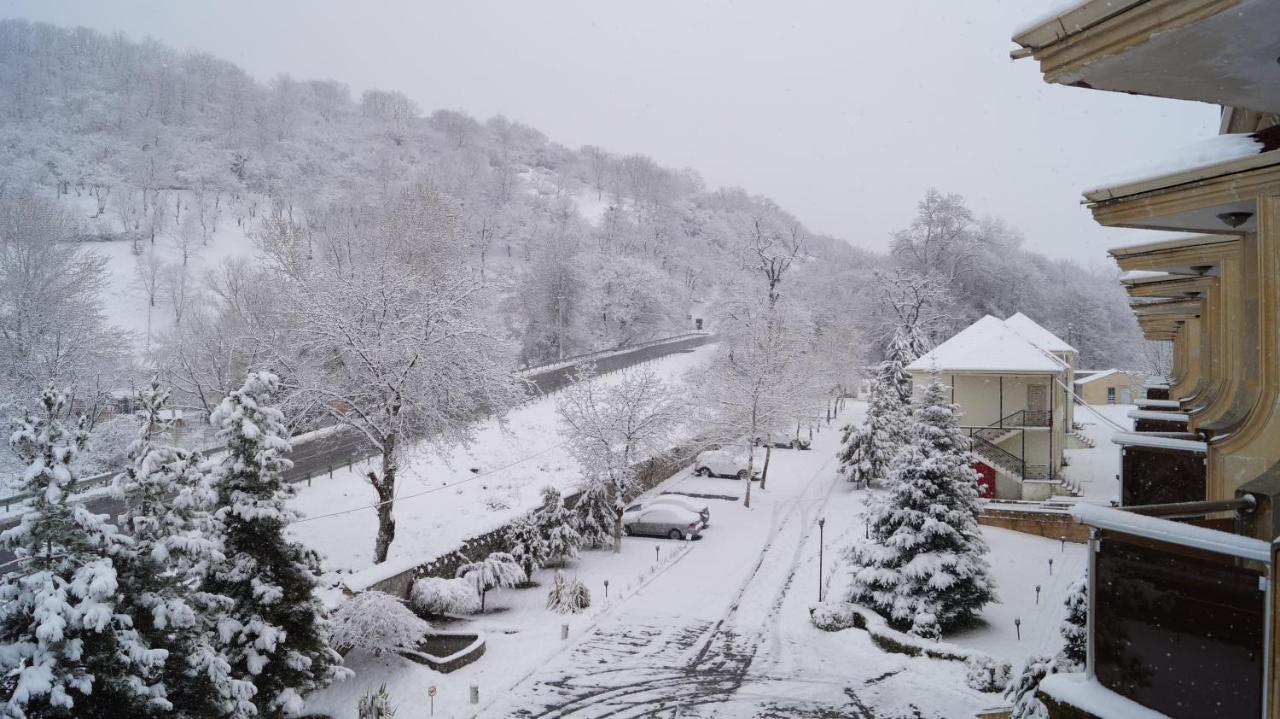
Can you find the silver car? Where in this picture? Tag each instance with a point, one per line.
(662, 520)
(697, 506)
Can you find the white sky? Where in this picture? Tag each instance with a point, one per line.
(842, 112)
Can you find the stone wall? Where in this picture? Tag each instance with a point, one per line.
(1054, 524)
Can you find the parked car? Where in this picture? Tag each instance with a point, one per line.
(786, 440)
(663, 520)
(722, 463)
(696, 506)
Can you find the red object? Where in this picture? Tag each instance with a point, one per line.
(986, 480)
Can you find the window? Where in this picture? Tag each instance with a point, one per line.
(1111, 395)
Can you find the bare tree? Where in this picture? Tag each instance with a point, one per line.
(613, 424)
(397, 348)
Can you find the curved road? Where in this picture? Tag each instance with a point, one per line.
(341, 447)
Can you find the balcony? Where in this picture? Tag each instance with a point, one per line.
(1179, 618)
(1161, 468)
(1149, 420)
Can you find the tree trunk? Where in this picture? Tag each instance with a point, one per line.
(386, 490)
(764, 473)
(751, 464)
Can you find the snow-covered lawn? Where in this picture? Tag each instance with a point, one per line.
(722, 624)
(444, 501)
(1095, 469)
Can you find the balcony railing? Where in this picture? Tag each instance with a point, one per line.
(1178, 614)
(1159, 469)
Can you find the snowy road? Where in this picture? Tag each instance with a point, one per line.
(722, 632)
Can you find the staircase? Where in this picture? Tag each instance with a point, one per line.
(985, 441)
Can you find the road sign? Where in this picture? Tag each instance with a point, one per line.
(431, 690)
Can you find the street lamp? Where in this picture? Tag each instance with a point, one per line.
(821, 522)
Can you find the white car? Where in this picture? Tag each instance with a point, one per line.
(720, 463)
(662, 520)
(786, 440)
(691, 504)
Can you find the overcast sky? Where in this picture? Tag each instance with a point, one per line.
(842, 112)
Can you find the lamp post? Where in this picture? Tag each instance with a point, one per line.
(821, 522)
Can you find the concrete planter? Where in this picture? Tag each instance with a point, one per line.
(447, 651)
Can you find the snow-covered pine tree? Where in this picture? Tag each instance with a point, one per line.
(867, 452)
(926, 552)
(557, 527)
(69, 650)
(168, 512)
(1022, 690)
(276, 630)
(1074, 626)
(528, 545)
(594, 514)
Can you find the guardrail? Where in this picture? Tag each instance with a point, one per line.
(620, 349)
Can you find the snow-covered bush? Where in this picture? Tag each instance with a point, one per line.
(568, 596)
(1074, 627)
(376, 705)
(1022, 690)
(926, 550)
(834, 616)
(499, 569)
(985, 674)
(376, 622)
(925, 626)
(437, 596)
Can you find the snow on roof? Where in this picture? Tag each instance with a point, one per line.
(1037, 334)
(1198, 155)
(1158, 404)
(1158, 441)
(1132, 275)
(1164, 530)
(1098, 375)
(988, 345)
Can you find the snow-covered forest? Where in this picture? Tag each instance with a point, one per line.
(168, 191)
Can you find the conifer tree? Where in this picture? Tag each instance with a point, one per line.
(276, 629)
(1074, 625)
(557, 527)
(69, 648)
(867, 452)
(528, 545)
(926, 553)
(594, 514)
(176, 539)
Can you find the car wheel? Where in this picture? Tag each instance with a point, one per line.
(627, 530)
(675, 534)
(792, 445)
(742, 474)
(703, 472)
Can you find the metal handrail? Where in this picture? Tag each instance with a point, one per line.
(999, 454)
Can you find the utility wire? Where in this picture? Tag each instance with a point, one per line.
(473, 478)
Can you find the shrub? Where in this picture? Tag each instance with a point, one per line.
(435, 595)
(376, 705)
(985, 674)
(376, 622)
(834, 616)
(568, 596)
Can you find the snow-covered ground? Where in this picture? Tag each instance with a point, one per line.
(1095, 469)
(720, 626)
(441, 499)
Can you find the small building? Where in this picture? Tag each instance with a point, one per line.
(1013, 403)
(1110, 386)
